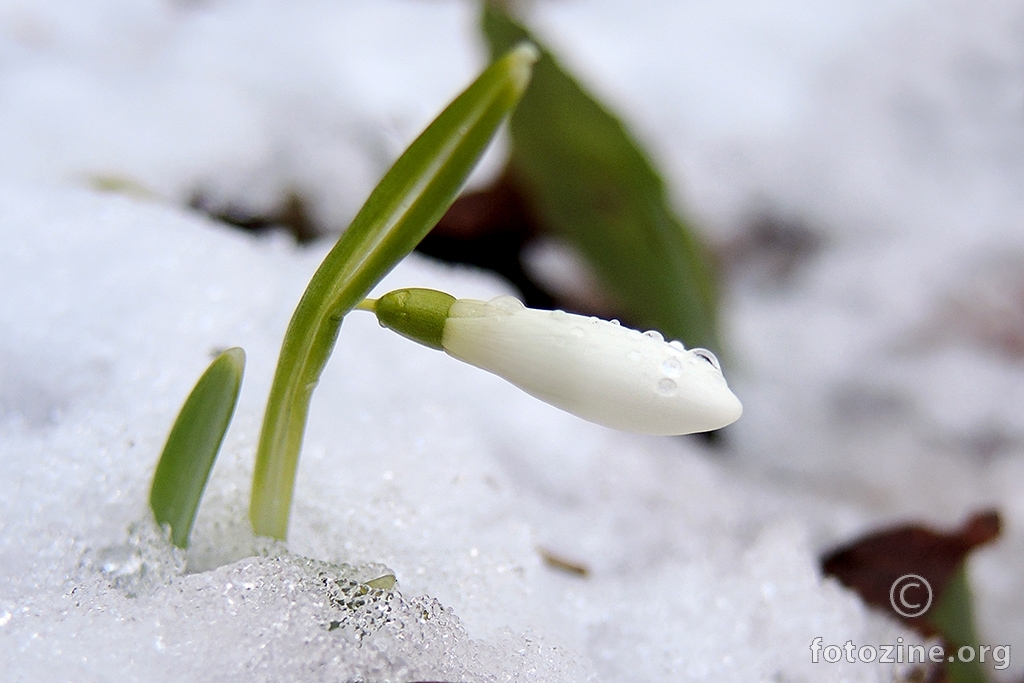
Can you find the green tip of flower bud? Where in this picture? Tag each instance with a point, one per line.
(419, 314)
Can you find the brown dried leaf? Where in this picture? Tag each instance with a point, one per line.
(872, 564)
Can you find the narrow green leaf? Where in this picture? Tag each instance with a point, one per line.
(400, 211)
(193, 443)
(587, 179)
(953, 616)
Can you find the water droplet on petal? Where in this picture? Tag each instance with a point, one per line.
(677, 345)
(577, 332)
(707, 356)
(615, 322)
(634, 355)
(666, 387)
(672, 367)
(559, 315)
(654, 334)
(507, 304)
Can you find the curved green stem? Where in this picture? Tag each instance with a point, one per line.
(366, 305)
(404, 206)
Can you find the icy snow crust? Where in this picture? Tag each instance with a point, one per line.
(882, 381)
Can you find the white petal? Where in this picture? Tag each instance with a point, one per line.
(593, 368)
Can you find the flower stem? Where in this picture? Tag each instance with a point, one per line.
(404, 206)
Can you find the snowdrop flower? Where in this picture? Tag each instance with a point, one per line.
(595, 369)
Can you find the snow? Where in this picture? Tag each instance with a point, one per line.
(880, 383)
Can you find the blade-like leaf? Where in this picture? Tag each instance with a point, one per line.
(400, 211)
(588, 180)
(193, 443)
(953, 616)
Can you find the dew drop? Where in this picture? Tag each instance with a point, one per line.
(615, 322)
(559, 315)
(507, 304)
(666, 387)
(634, 355)
(677, 345)
(671, 367)
(707, 356)
(577, 332)
(654, 334)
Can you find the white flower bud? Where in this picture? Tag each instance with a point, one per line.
(595, 369)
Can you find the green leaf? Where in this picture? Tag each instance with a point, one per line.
(953, 617)
(193, 443)
(587, 179)
(400, 211)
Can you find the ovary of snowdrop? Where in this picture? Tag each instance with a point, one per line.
(595, 369)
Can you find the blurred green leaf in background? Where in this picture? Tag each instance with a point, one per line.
(953, 617)
(588, 181)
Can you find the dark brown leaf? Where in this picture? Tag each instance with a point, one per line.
(872, 564)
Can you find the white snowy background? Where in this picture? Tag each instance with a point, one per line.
(882, 378)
